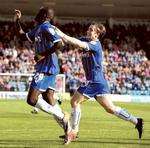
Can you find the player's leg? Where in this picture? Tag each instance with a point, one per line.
(35, 110)
(44, 96)
(33, 96)
(112, 109)
(119, 112)
(82, 94)
(51, 97)
(34, 100)
(39, 84)
(63, 118)
(76, 101)
(48, 96)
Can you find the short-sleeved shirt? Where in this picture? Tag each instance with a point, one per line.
(44, 37)
(92, 58)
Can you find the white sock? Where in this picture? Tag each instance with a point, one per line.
(44, 106)
(123, 114)
(75, 118)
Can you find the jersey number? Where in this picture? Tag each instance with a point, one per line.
(38, 77)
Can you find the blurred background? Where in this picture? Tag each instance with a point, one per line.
(126, 45)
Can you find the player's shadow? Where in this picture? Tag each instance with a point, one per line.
(30, 143)
(26, 115)
(52, 143)
(115, 141)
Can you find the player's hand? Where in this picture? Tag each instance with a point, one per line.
(17, 14)
(38, 57)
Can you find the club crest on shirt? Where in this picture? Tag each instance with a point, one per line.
(93, 42)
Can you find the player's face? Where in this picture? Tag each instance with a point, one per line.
(51, 13)
(91, 32)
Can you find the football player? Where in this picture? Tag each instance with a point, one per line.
(96, 86)
(46, 42)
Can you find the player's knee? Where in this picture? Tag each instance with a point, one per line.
(51, 100)
(49, 95)
(74, 103)
(52, 103)
(109, 110)
(31, 101)
(32, 96)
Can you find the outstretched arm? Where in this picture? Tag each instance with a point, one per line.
(71, 40)
(18, 27)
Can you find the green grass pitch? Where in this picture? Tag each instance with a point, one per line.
(21, 129)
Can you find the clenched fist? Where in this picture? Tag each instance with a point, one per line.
(17, 15)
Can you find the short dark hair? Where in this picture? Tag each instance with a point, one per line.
(43, 14)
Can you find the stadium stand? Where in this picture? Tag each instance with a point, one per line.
(125, 53)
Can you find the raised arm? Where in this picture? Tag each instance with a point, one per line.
(18, 27)
(71, 40)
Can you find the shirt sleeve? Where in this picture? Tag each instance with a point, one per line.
(51, 34)
(31, 35)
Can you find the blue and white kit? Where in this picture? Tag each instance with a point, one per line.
(44, 37)
(92, 59)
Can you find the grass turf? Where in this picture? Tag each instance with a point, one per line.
(98, 129)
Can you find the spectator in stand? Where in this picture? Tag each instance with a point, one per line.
(125, 56)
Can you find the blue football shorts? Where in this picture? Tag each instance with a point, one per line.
(92, 89)
(42, 82)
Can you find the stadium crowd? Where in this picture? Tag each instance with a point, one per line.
(126, 63)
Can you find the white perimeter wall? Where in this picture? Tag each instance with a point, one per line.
(114, 97)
